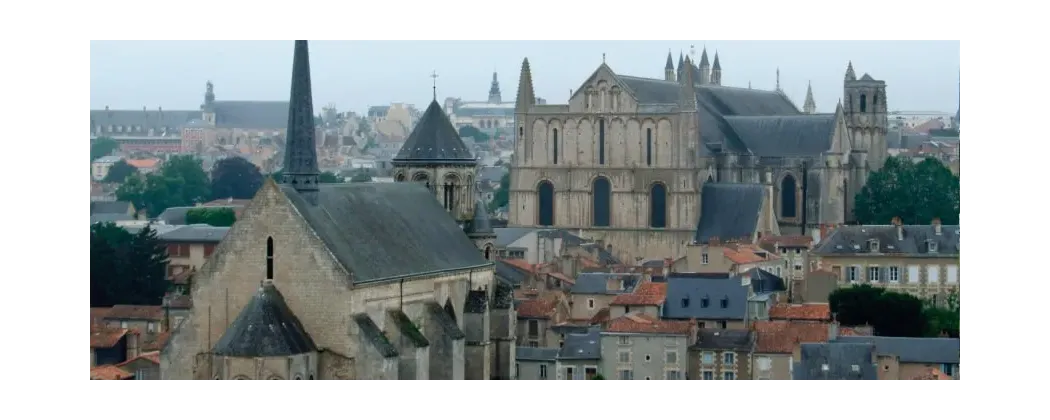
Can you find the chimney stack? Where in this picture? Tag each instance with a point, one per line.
(833, 330)
(900, 228)
(936, 225)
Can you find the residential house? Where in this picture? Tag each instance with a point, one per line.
(777, 344)
(581, 355)
(922, 260)
(648, 298)
(145, 366)
(794, 250)
(190, 246)
(720, 300)
(639, 346)
(536, 246)
(110, 346)
(721, 355)
(514, 272)
(817, 286)
(144, 166)
(111, 211)
(100, 167)
(236, 204)
(142, 318)
(110, 372)
(535, 363)
(835, 361)
(732, 258)
(536, 316)
(911, 357)
(801, 312)
(595, 291)
(750, 217)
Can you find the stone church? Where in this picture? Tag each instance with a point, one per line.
(626, 158)
(342, 281)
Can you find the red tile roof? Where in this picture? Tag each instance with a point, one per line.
(639, 323)
(521, 265)
(933, 374)
(542, 306)
(782, 336)
(797, 241)
(805, 311)
(155, 342)
(97, 314)
(746, 254)
(153, 356)
(109, 372)
(102, 338)
(563, 277)
(143, 312)
(645, 294)
(600, 317)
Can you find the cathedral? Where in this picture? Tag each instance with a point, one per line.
(348, 281)
(626, 159)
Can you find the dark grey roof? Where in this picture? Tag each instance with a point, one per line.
(763, 281)
(536, 354)
(686, 293)
(251, 114)
(867, 77)
(842, 361)
(784, 135)
(110, 217)
(736, 340)
(480, 225)
(266, 327)
(477, 302)
(604, 256)
(157, 119)
(855, 240)
(586, 346)
(652, 91)
(408, 328)
(434, 139)
(728, 211)
(567, 238)
(597, 283)
(110, 207)
(714, 103)
(386, 230)
(670, 62)
(912, 350)
(371, 332)
(510, 273)
(507, 236)
(894, 139)
(445, 321)
(502, 295)
(195, 233)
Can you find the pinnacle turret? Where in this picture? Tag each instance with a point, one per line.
(526, 95)
(300, 154)
(810, 106)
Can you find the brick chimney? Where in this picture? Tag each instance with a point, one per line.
(900, 227)
(714, 241)
(936, 225)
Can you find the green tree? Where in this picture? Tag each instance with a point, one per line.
(598, 377)
(181, 181)
(120, 171)
(102, 146)
(915, 192)
(235, 177)
(473, 132)
(214, 216)
(324, 178)
(889, 313)
(943, 318)
(127, 269)
(502, 195)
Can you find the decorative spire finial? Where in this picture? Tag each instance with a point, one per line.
(434, 75)
(778, 79)
(603, 58)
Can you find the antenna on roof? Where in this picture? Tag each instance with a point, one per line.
(434, 75)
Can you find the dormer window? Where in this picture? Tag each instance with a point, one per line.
(725, 302)
(873, 245)
(685, 302)
(704, 302)
(931, 245)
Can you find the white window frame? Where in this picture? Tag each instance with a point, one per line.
(672, 375)
(625, 374)
(671, 354)
(729, 358)
(949, 270)
(726, 376)
(894, 273)
(707, 358)
(874, 274)
(853, 273)
(620, 356)
(624, 340)
(590, 303)
(706, 372)
(704, 259)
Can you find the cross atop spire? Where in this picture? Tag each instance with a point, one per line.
(778, 79)
(434, 75)
(603, 58)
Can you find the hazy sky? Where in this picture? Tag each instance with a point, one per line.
(920, 75)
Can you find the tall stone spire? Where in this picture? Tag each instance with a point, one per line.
(810, 106)
(716, 72)
(850, 75)
(494, 95)
(687, 91)
(300, 152)
(669, 68)
(705, 68)
(526, 95)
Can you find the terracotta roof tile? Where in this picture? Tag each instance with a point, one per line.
(154, 342)
(103, 338)
(932, 374)
(146, 312)
(521, 265)
(542, 306)
(153, 356)
(788, 240)
(589, 263)
(109, 372)
(143, 163)
(645, 294)
(782, 336)
(600, 317)
(639, 323)
(97, 314)
(747, 255)
(180, 302)
(563, 277)
(806, 311)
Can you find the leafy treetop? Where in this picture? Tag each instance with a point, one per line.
(235, 177)
(915, 192)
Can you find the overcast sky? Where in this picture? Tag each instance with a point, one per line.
(920, 75)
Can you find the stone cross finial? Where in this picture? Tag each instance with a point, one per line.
(434, 75)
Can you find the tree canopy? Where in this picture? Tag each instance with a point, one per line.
(120, 171)
(181, 181)
(127, 269)
(473, 132)
(102, 146)
(915, 192)
(502, 195)
(890, 313)
(214, 216)
(943, 319)
(235, 177)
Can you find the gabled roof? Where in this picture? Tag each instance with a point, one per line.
(728, 211)
(912, 349)
(380, 231)
(110, 207)
(582, 346)
(687, 295)
(640, 323)
(737, 340)
(434, 140)
(801, 311)
(848, 240)
(266, 327)
(103, 338)
(536, 354)
(597, 283)
(136, 312)
(785, 135)
(653, 294)
(836, 361)
(197, 233)
(109, 372)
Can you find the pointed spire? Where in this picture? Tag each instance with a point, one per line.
(810, 106)
(681, 59)
(670, 62)
(434, 83)
(850, 75)
(300, 154)
(703, 59)
(480, 225)
(716, 72)
(495, 97)
(526, 95)
(716, 65)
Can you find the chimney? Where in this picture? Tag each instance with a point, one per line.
(900, 228)
(745, 280)
(833, 330)
(936, 225)
(713, 241)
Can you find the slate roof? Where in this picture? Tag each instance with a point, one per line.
(640, 323)
(843, 361)
(911, 350)
(251, 114)
(110, 207)
(604, 256)
(509, 273)
(596, 283)
(446, 322)
(198, 233)
(586, 346)
(434, 139)
(686, 293)
(536, 354)
(763, 281)
(371, 332)
(381, 231)
(785, 135)
(480, 225)
(848, 240)
(110, 218)
(507, 236)
(156, 119)
(266, 327)
(728, 211)
(736, 340)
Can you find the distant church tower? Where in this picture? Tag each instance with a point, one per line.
(494, 95)
(866, 116)
(810, 106)
(669, 68)
(208, 107)
(716, 72)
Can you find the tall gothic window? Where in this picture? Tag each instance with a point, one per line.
(269, 258)
(555, 135)
(601, 192)
(546, 199)
(601, 141)
(649, 147)
(863, 103)
(788, 203)
(658, 206)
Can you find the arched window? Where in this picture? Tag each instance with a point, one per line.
(874, 100)
(546, 201)
(601, 141)
(649, 147)
(601, 192)
(787, 197)
(269, 258)
(849, 100)
(555, 135)
(488, 252)
(449, 309)
(450, 192)
(863, 102)
(521, 132)
(400, 178)
(311, 376)
(658, 206)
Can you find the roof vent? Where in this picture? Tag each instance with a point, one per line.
(824, 367)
